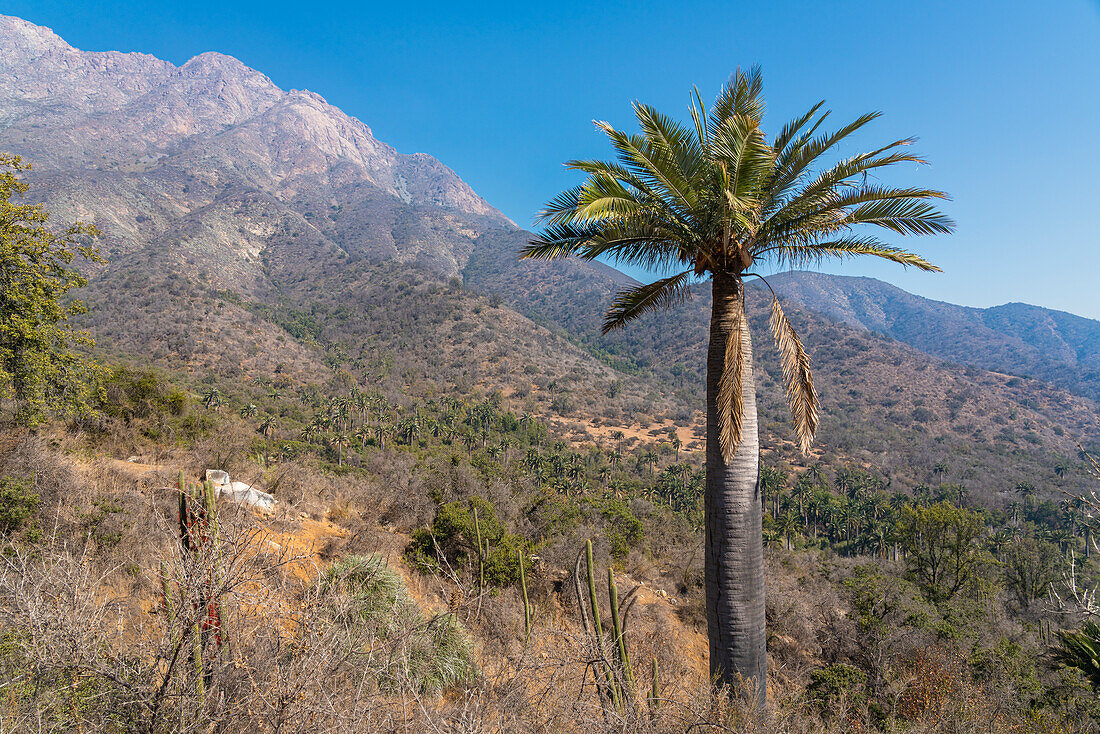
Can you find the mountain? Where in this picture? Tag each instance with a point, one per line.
(1016, 338)
(257, 233)
(235, 213)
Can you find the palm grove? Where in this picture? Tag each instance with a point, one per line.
(716, 199)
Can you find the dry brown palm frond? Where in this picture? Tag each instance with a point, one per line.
(731, 409)
(801, 395)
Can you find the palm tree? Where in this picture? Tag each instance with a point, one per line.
(1027, 489)
(772, 482)
(675, 442)
(716, 199)
(268, 426)
(212, 399)
(249, 411)
(618, 436)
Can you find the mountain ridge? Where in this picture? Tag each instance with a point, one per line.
(252, 232)
(1021, 339)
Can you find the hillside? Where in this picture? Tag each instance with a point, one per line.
(257, 233)
(456, 506)
(1016, 338)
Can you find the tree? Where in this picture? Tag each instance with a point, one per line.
(940, 545)
(772, 482)
(268, 426)
(712, 200)
(618, 436)
(1081, 650)
(212, 399)
(39, 366)
(1030, 567)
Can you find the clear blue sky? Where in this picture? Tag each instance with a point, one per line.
(1005, 97)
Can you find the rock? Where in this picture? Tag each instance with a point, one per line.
(246, 494)
(218, 477)
(240, 492)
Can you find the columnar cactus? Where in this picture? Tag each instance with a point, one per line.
(620, 641)
(198, 526)
(480, 554)
(527, 610)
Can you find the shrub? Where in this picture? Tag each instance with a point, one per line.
(835, 683)
(454, 533)
(17, 503)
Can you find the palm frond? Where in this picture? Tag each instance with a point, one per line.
(731, 408)
(653, 167)
(792, 197)
(801, 395)
(631, 303)
(674, 141)
(793, 128)
(904, 216)
(741, 96)
(798, 159)
(559, 240)
(844, 248)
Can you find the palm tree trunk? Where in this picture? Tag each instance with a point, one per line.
(734, 546)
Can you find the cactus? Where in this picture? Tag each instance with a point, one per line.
(196, 659)
(480, 554)
(185, 520)
(526, 604)
(620, 641)
(608, 675)
(654, 695)
(198, 525)
(166, 591)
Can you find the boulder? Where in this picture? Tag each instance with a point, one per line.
(218, 477)
(246, 494)
(240, 492)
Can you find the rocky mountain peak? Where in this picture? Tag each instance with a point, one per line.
(23, 41)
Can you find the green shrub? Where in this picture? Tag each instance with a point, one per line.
(17, 504)
(624, 530)
(835, 683)
(453, 533)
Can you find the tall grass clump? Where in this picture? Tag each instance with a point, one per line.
(430, 653)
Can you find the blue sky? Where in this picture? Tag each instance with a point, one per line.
(1004, 96)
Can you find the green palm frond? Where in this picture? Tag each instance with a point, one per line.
(850, 247)
(1081, 650)
(792, 131)
(904, 216)
(844, 248)
(631, 303)
(741, 96)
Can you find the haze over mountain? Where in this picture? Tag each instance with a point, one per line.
(251, 230)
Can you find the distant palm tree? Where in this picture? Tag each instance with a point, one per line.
(249, 411)
(1027, 489)
(677, 444)
(716, 199)
(212, 399)
(268, 426)
(618, 436)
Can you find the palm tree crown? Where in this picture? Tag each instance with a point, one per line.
(717, 198)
